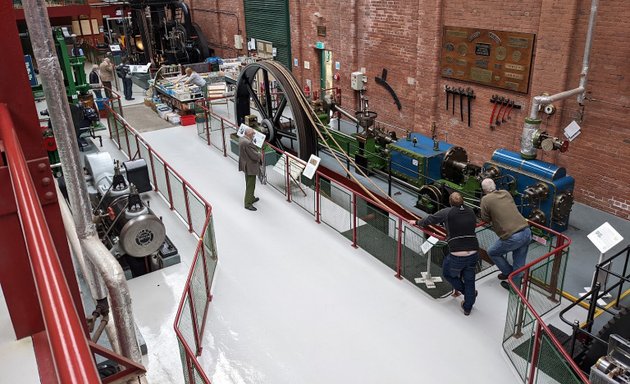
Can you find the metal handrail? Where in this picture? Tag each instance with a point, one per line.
(190, 355)
(70, 351)
(564, 242)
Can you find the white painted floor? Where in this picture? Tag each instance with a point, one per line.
(295, 303)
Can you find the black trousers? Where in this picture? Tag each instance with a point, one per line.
(127, 86)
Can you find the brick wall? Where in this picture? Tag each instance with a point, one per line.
(219, 21)
(405, 37)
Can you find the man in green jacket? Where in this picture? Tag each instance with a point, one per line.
(498, 208)
(249, 160)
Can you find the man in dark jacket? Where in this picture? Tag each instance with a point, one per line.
(463, 248)
(124, 72)
(95, 82)
(249, 160)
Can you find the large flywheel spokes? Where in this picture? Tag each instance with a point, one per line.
(271, 93)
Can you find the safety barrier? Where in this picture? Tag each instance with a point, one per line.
(533, 349)
(70, 350)
(196, 212)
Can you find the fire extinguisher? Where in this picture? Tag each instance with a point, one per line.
(337, 77)
(307, 91)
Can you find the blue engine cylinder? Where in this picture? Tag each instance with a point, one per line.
(543, 191)
(417, 162)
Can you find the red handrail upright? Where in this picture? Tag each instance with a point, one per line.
(68, 343)
(563, 242)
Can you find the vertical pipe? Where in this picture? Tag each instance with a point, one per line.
(587, 49)
(288, 170)
(155, 184)
(39, 28)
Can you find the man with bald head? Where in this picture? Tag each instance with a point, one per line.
(249, 160)
(498, 208)
(460, 262)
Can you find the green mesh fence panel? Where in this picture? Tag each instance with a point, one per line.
(197, 212)
(552, 367)
(335, 207)
(182, 356)
(198, 291)
(160, 176)
(303, 191)
(277, 175)
(217, 135)
(376, 233)
(209, 241)
(414, 262)
(133, 146)
(519, 328)
(177, 192)
(540, 293)
(124, 133)
(186, 326)
(144, 153)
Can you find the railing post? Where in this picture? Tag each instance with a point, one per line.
(535, 354)
(223, 138)
(399, 249)
(354, 220)
(520, 316)
(288, 177)
(137, 148)
(168, 186)
(190, 228)
(625, 269)
(591, 308)
(555, 270)
(117, 132)
(318, 197)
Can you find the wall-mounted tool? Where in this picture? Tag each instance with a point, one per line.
(447, 90)
(383, 82)
(460, 92)
(470, 94)
(505, 109)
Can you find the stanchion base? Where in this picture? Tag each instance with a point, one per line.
(428, 280)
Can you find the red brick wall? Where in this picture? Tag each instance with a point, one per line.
(405, 37)
(219, 21)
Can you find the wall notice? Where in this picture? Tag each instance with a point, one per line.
(498, 59)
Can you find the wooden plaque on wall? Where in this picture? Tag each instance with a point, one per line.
(495, 58)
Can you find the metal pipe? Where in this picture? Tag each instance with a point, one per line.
(89, 271)
(39, 28)
(532, 123)
(38, 24)
(119, 296)
(345, 113)
(587, 48)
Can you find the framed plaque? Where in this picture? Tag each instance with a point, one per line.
(498, 59)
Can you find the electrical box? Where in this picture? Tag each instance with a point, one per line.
(357, 81)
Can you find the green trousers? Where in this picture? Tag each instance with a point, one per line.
(250, 186)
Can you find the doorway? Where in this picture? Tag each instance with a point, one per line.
(326, 74)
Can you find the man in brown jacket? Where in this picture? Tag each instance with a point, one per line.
(106, 70)
(249, 160)
(498, 208)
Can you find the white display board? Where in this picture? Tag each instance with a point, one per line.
(311, 166)
(605, 237)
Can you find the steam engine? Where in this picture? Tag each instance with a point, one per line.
(126, 224)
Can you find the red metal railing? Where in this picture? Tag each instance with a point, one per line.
(70, 351)
(527, 315)
(194, 304)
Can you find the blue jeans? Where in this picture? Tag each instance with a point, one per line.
(518, 244)
(460, 272)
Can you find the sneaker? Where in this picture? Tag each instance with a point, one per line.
(505, 285)
(256, 199)
(251, 208)
(466, 312)
(502, 276)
